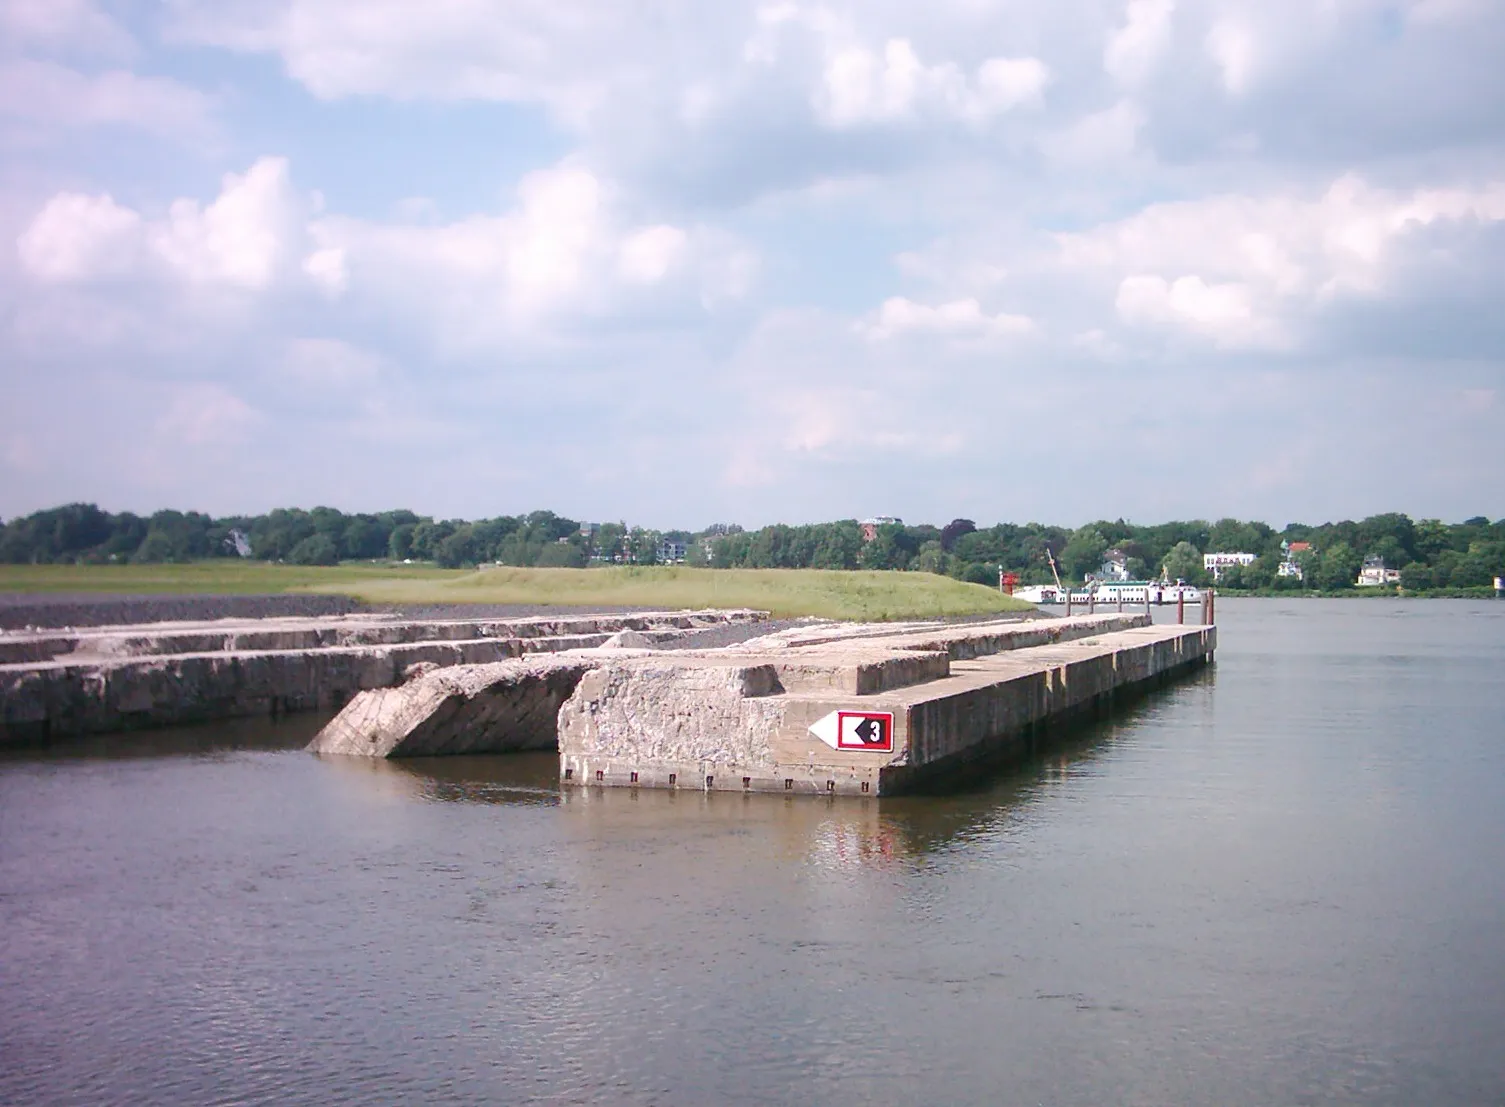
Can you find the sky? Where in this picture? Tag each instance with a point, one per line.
(676, 262)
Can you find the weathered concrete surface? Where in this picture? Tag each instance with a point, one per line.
(738, 718)
(123, 678)
(497, 708)
(720, 725)
(466, 710)
(293, 633)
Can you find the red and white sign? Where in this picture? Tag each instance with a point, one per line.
(857, 730)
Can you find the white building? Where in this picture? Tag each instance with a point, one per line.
(1290, 566)
(1375, 575)
(1215, 563)
(1115, 566)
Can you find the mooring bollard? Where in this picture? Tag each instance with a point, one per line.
(1180, 606)
(1091, 603)
(1207, 605)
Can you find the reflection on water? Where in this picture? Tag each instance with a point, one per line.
(291, 732)
(1280, 883)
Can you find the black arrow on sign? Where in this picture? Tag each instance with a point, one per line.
(870, 731)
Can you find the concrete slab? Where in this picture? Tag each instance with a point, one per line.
(130, 677)
(737, 727)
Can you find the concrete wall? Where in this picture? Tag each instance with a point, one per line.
(115, 679)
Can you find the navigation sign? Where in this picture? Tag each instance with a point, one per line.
(856, 730)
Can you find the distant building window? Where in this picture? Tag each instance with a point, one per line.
(1216, 563)
(671, 552)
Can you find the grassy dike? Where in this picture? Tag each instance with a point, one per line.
(784, 592)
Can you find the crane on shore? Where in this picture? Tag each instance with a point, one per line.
(1051, 558)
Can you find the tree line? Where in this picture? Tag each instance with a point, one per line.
(1429, 553)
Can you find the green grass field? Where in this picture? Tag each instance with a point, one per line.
(784, 592)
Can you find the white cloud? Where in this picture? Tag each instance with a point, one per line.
(242, 239)
(959, 319)
(559, 223)
(45, 92)
(327, 269)
(1233, 47)
(1137, 47)
(327, 364)
(63, 24)
(544, 255)
(1285, 245)
(560, 256)
(858, 87)
(919, 162)
(1003, 83)
(1108, 135)
(78, 237)
(1224, 313)
(557, 52)
(646, 256)
(206, 414)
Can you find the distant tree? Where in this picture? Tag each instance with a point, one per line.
(458, 549)
(427, 537)
(839, 546)
(363, 538)
(400, 544)
(886, 550)
(1084, 553)
(931, 558)
(1474, 570)
(1391, 537)
(1233, 536)
(1431, 538)
(1416, 577)
(643, 545)
(1339, 567)
(1232, 577)
(561, 555)
(978, 573)
(1388, 549)
(316, 549)
(155, 547)
(610, 541)
(330, 521)
(954, 530)
(1260, 573)
(1184, 562)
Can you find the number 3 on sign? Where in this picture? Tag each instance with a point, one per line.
(857, 730)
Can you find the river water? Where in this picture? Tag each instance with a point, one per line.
(1281, 882)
